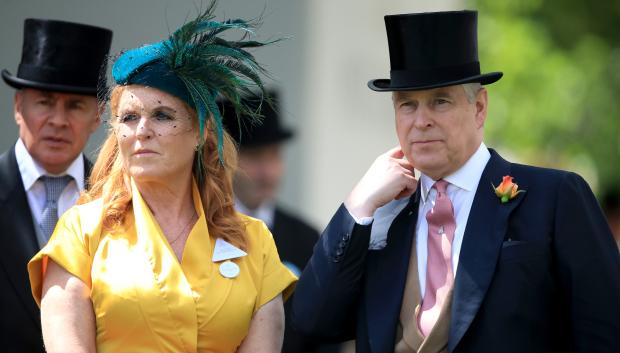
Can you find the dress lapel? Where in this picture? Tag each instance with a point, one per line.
(200, 270)
(482, 242)
(173, 286)
(386, 278)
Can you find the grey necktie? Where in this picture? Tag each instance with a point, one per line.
(53, 188)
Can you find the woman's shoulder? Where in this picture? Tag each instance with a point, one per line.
(86, 217)
(256, 231)
(265, 264)
(253, 226)
(86, 210)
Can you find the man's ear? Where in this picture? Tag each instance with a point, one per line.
(17, 106)
(481, 105)
(99, 114)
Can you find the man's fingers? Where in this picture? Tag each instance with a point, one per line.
(409, 185)
(409, 178)
(396, 152)
(405, 164)
(397, 155)
(405, 193)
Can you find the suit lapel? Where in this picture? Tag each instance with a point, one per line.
(18, 233)
(482, 242)
(88, 168)
(386, 277)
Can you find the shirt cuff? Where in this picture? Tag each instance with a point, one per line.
(363, 221)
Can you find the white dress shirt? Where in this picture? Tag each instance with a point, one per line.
(30, 171)
(461, 191)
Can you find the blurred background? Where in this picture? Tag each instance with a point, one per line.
(556, 106)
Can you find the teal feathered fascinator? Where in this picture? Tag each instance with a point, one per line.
(197, 65)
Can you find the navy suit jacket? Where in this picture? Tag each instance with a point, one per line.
(20, 320)
(540, 273)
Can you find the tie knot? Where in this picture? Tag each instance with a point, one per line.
(441, 186)
(54, 186)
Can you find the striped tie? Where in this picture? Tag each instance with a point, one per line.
(439, 276)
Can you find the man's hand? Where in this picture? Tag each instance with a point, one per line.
(389, 177)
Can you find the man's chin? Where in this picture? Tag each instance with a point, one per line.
(55, 165)
(429, 168)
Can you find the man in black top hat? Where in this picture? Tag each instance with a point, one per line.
(477, 254)
(56, 110)
(261, 168)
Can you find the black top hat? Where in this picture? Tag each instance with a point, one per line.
(61, 56)
(268, 132)
(434, 49)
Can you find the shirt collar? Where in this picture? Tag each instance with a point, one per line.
(31, 171)
(265, 212)
(466, 177)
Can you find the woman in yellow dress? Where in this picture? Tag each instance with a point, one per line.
(154, 258)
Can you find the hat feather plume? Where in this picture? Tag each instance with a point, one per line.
(211, 66)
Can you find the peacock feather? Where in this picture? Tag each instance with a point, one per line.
(205, 66)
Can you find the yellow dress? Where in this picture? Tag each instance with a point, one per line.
(144, 299)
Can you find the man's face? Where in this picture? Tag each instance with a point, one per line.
(439, 129)
(260, 171)
(55, 126)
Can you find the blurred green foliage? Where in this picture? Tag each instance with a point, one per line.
(558, 104)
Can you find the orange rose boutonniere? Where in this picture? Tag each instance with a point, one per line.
(507, 190)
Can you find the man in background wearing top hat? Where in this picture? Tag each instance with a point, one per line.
(261, 168)
(479, 255)
(56, 110)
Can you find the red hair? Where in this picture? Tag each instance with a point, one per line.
(109, 181)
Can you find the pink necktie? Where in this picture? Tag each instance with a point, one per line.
(439, 277)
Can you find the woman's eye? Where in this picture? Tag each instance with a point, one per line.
(125, 118)
(161, 116)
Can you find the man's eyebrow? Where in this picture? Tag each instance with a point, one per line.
(76, 100)
(399, 97)
(44, 94)
(442, 93)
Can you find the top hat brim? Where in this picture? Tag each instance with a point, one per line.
(19, 83)
(277, 137)
(385, 85)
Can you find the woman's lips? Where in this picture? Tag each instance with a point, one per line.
(143, 152)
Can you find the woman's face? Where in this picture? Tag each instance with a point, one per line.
(156, 133)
